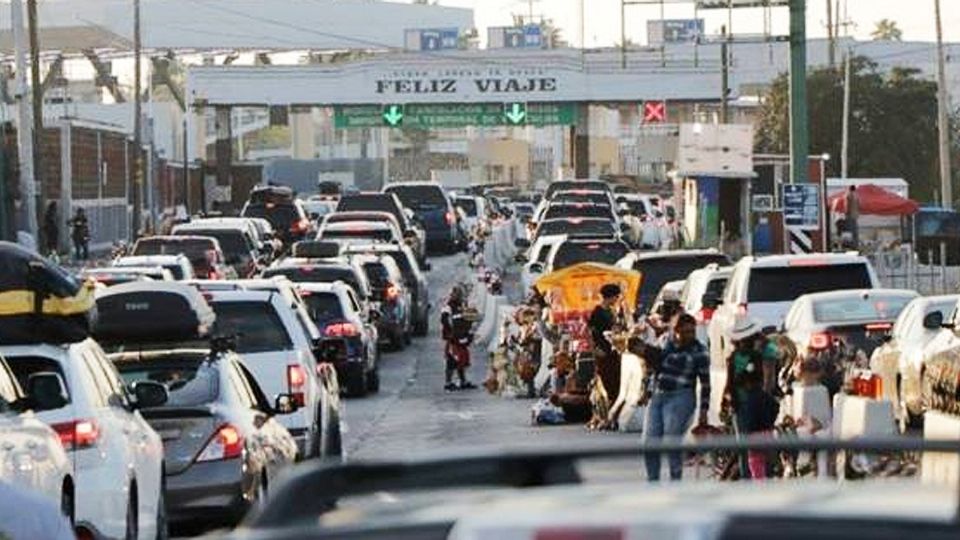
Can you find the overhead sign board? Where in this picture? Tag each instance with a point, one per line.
(515, 37)
(724, 150)
(454, 115)
(432, 39)
(801, 206)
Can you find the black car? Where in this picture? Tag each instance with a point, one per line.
(413, 277)
(278, 206)
(434, 210)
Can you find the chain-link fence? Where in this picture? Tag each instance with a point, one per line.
(900, 268)
(108, 219)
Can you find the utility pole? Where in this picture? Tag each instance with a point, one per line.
(137, 128)
(27, 221)
(185, 182)
(946, 187)
(725, 76)
(845, 141)
(36, 93)
(831, 35)
(799, 123)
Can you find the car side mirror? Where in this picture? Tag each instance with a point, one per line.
(47, 391)
(149, 394)
(285, 404)
(521, 243)
(536, 268)
(933, 320)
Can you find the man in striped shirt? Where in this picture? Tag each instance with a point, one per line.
(676, 370)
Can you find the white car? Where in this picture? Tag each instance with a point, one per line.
(900, 361)
(764, 288)
(537, 255)
(114, 275)
(573, 251)
(670, 291)
(117, 457)
(701, 295)
(274, 342)
(474, 210)
(178, 265)
(351, 232)
(238, 238)
(30, 450)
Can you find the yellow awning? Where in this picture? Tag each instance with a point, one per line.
(577, 288)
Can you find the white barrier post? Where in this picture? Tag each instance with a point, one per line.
(489, 318)
(503, 315)
(940, 468)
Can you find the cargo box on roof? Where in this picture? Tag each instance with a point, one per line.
(153, 312)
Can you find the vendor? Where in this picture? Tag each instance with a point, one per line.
(603, 320)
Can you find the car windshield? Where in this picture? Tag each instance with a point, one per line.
(571, 253)
(420, 197)
(323, 307)
(577, 227)
(256, 326)
(280, 215)
(189, 383)
(872, 307)
(786, 283)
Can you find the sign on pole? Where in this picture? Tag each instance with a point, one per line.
(654, 112)
(801, 206)
(515, 37)
(393, 115)
(432, 39)
(515, 113)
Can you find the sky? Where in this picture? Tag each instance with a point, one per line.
(602, 22)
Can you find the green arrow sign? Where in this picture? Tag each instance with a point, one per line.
(515, 113)
(393, 115)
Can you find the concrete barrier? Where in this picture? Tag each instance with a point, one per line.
(855, 416)
(504, 314)
(490, 312)
(940, 468)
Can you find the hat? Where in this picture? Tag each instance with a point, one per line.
(610, 290)
(745, 328)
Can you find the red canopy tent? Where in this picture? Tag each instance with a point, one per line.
(875, 201)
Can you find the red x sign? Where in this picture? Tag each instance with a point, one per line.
(654, 112)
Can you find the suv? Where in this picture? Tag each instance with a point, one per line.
(413, 278)
(763, 288)
(661, 267)
(279, 351)
(391, 298)
(204, 253)
(278, 205)
(434, 210)
(117, 457)
(237, 238)
(389, 203)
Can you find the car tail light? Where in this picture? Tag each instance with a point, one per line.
(226, 443)
(296, 383)
(705, 314)
(77, 434)
(879, 327)
(392, 292)
(300, 226)
(339, 330)
(449, 218)
(820, 341)
(577, 533)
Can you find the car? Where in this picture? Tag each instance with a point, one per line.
(363, 232)
(764, 288)
(415, 235)
(109, 276)
(474, 210)
(573, 251)
(660, 267)
(432, 208)
(336, 311)
(701, 295)
(328, 270)
(278, 205)
(391, 299)
(31, 451)
(900, 360)
(237, 239)
(578, 227)
(204, 253)
(535, 259)
(851, 320)
(413, 277)
(278, 349)
(117, 457)
(178, 265)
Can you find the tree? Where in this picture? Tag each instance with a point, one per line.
(886, 30)
(893, 122)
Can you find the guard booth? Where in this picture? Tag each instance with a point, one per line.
(713, 183)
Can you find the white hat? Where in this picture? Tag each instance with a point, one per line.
(745, 328)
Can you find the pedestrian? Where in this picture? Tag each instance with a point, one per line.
(747, 394)
(457, 336)
(51, 228)
(603, 320)
(80, 233)
(853, 215)
(676, 369)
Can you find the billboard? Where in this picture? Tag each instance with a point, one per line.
(432, 39)
(516, 37)
(674, 31)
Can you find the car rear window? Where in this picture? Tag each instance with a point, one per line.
(317, 274)
(419, 197)
(785, 283)
(377, 234)
(658, 272)
(577, 210)
(256, 325)
(851, 309)
(323, 307)
(193, 249)
(469, 206)
(25, 366)
(233, 242)
(280, 215)
(594, 198)
(369, 203)
(189, 382)
(576, 227)
(571, 253)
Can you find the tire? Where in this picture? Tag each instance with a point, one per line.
(373, 381)
(132, 520)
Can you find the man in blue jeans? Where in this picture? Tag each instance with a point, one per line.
(676, 370)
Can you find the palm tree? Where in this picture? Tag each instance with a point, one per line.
(886, 30)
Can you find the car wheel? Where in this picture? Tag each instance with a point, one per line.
(373, 381)
(132, 520)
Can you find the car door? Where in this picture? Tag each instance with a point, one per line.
(277, 446)
(144, 447)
